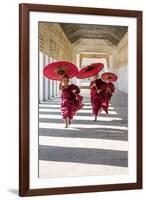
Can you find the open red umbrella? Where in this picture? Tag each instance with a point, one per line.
(90, 70)
(111, 77)
(56, 70)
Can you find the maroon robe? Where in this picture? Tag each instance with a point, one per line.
(70, 102)
(110, 90)
(107, 94)
(98, 100)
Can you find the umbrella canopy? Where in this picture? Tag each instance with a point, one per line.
(90, 70)
(57, 70)
(111, 77)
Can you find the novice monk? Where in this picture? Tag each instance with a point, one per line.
(71, 101)
(106, 96)
(110, 90)
(98, 95)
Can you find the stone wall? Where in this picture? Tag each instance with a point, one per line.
(53, 42)
(121, 64)
(122, 52)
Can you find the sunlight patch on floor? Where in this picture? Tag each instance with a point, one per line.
(58, 106)
(49, 116)
(53, 169)
(80, 126)
(84, 143)
(80, 111)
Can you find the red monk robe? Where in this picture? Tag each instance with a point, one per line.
(71, 101)
(107, 94)
(98, 96)
(110, 90)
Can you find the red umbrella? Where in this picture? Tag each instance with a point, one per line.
(111, 77)
(57, 70)
(90, 70)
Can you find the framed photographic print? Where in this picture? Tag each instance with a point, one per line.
(80, 99)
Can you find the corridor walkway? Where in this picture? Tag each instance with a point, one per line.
(86, 147)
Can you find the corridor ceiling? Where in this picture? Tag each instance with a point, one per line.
(75, 32)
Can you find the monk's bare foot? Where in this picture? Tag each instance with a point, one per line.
(95, 118)
(69, 122)
(66, 123)
(106, 113)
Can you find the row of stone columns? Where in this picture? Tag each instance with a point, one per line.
(47, 88)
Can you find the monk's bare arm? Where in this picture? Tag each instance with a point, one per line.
(92, 85)
(60, 85)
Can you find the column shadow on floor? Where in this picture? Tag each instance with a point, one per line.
(101, 133)
(84, 155)
(90, 122)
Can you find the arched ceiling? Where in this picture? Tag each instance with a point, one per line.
(74, 32)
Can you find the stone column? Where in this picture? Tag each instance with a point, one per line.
(41, 64)
(46, 81)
